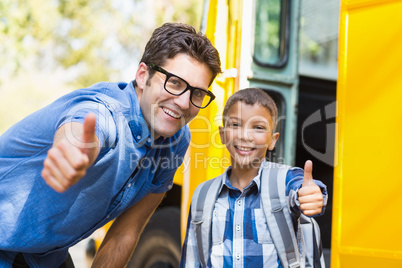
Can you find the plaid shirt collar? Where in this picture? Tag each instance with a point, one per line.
(255, 182)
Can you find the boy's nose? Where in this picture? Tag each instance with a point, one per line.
(246, 134)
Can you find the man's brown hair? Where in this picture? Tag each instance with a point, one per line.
(175, 38)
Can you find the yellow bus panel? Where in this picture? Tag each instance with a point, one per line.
(367, 198)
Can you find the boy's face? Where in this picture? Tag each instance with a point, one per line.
(165, 113)
(248, 134)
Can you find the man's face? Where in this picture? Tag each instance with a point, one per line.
(165, 113)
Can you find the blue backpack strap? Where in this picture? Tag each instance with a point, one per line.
(274, 202)
(202, 206)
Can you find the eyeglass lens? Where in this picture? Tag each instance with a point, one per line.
(176, 85)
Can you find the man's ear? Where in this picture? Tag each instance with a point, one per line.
(275, 137)
(141, 76)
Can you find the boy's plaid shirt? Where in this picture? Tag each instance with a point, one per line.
(240, 235)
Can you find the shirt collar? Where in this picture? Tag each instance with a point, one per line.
(138, 126)
(256, 180)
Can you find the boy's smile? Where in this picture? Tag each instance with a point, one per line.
(247, 134)
(244, 149)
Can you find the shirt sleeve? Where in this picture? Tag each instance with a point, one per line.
(294, 181)
(189, 256)
(105, 128)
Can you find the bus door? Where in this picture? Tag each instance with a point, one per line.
(269, 60)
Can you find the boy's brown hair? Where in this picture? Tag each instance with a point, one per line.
(253, 96)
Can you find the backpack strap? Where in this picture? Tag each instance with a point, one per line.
(202, 207)
(274, 202)
(314, 252)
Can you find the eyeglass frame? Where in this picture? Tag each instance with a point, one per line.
(189, 87)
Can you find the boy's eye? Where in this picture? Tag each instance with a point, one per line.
(233, 125)
(260, 129)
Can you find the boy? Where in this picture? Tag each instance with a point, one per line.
(240, 234)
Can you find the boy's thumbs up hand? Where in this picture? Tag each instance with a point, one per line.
(310, 195)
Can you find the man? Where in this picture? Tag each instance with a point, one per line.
(108, 151)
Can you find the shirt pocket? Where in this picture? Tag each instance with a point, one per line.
(219, 225)
(261, 233)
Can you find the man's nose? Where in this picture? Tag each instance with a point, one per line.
(183, 101)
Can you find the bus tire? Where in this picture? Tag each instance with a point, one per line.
(160, 244)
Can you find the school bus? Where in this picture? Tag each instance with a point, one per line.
(333, 69)
(365, 229)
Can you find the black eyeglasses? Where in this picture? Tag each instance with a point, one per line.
(176, 86)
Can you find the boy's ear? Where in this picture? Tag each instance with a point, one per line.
(275, 137)
(222, 135)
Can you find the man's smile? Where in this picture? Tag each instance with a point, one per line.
(171, 113)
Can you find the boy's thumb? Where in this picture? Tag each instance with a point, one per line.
(308, 173)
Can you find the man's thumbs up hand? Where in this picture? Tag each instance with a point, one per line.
(310, 196)
(75, 148)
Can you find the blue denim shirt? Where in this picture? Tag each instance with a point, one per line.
(43, 224)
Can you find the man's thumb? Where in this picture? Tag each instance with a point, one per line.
(308, 173)
(88, 136)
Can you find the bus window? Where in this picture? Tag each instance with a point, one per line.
(319, 38)
(270, 48)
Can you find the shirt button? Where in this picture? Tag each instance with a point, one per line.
(238, 227)
(149, 140)
(238, 256)
(239, 202)
(138, 137)
(108, 216)
(129, 185)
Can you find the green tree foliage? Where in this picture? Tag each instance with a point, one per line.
(267, 31)
(85, 34)
(75, 42)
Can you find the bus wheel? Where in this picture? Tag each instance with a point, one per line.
(159, 245)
